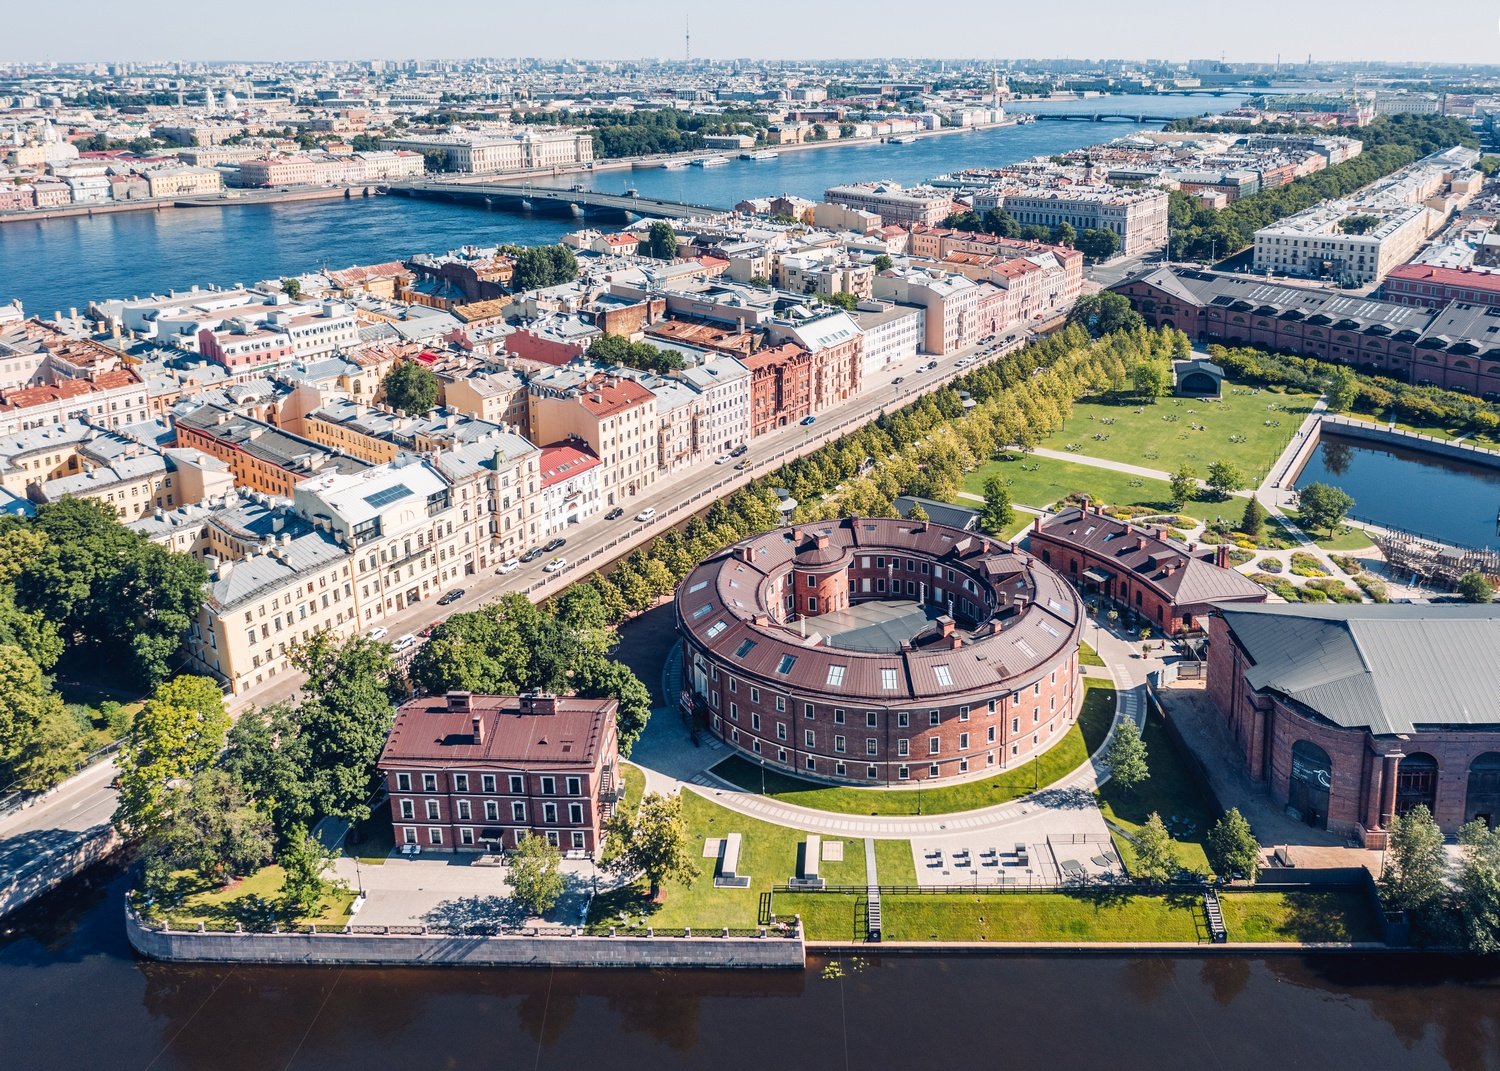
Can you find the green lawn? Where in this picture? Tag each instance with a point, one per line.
(1242, 429)
(1087, 656)
(768, 855)
(1481, 439)
(1084, 916)
(1346, 538)
(635, 786)
(254, 901)
(1172, 792)
(894, 862)
(1062, 758)
(1043, 481)
(1339, 914)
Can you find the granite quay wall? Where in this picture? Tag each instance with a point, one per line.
(45, 872)
(1381, 435)
(553, 947)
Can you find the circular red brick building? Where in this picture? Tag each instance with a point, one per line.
(872, 650)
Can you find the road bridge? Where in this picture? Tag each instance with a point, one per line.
(1105, 117)
(521, 198)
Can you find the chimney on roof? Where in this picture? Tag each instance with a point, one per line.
(1221, 555)
(460, 702)
(747, 553)
(945, 626)
(478, 727)
(1140, 542)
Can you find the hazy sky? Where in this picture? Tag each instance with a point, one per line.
(790, 29)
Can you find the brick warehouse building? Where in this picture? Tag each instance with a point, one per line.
(877, 651)
(1350, 714)
(1165, 584)
(1456, 346)
(478, 772)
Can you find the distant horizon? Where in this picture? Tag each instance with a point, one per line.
(1337, 31)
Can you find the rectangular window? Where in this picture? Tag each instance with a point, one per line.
(549, 786)
(903, 720)
(466, 836)
(781, 730)
(409, 835)
(463, 811)
(888, 680)
(491, 811)
(432, 810)
(836, 676)
(870, 719)
(963, 741)
(435, 836)
(785, 665)
(460, 782)
(754, 722)
(838, 744)
(408, 809)
(963, 713)
(809, 739)
(429, 782)
(575, 786)
(517, 784)
(903, 747)
(403, 782)
(872, 746)
(734, 712)
(549, 813)
(838, 716)
(781, 704)
(487, 783)
(902, 773)
(575, 813)
(933, 717)
(807, 711)
(755, 695)
(932, 745)
(518, 811)
(944, 677)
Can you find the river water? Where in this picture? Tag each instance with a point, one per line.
(75, 998)
(1448, 500)
(64, 263)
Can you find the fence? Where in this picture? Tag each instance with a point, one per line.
(1085, 885)
(474, 929)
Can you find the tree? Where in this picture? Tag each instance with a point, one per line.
(1415, 866)
(1320, 505)
(997, 515)
(1474, 586)
(883, 263)
(617, 349)
(177, 733)
(270, 758)
(215, 831)
(535, 875)
(598, 677)
(918, 513)
(1232, 847)
(536, 267)
(1064, 234)
(1151, 379)
(661, 241)
(411, 387)
(1126, 757)
(1098, 243)
(1341, 389)
(346, 715)
(1105, 312)
(653, 842)
(1184, 485)
(303, 859)
(292, 288)
(39, 742)
(843, 300)
(1479, 886)
(1224, 479)
(1155, 861)
(1254, 517)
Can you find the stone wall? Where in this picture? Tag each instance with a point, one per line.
(742, 953)
(45, 873)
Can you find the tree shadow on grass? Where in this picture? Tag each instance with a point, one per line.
(624, 906)
(1065, 799)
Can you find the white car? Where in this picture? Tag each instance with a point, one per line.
(509, 565)
(379, 632)
(647, 514)
(555, 564)
(405, 643)
(723, 459)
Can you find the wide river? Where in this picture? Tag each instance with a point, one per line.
(74, 998)
(60, 264)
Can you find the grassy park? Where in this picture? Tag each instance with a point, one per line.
(254, 902)
(1056, 762)
(1171, 791)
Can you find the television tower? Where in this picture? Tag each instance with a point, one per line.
(687, 39)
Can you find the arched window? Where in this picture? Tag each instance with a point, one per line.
(1482, 800)
(1312, 774)
(1416, 783)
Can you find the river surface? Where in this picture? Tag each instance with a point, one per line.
(60, 264)
(75, 998)
(1452, 502)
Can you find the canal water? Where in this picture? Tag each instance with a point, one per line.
(1396, 487)
(64, 263)
(75, 998)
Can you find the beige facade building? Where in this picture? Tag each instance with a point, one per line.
(184, 181)
(615, 417)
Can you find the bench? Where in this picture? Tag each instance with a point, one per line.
(729, 862)
(411, 849)
(812, 855)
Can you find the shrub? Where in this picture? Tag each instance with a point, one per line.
(1304, 564)
(1272, 565)
(1335, 589)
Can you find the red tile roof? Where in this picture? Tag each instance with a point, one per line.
(605, 398)
(562, 461)
(1429, 273)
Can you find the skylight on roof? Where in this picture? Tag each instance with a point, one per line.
(888, 680)
(745, 647)
(703, 611)
(835, 676)
(699, 586)
(944, 676)
(785, 665)
(716, 628)
(385, 496)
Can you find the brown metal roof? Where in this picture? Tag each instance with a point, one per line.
(430, 729)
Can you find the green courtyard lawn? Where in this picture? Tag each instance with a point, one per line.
(1172, 792)
(1345, 537)
(635, 786)
(1335, 914)
(254, 902)
(1242, 428)
(1096, 915)
(768, 855)
(1044, 481)
(1061, 759)
(894, 863)
(1087, 656)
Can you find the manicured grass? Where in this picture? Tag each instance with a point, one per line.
(894, 863)
(1086, 916)
(1482, 439)
(825, 917)
(635, 786)
(1338, 914)
(254, 901)
(1042, 481)
(1087, 656)
(768, 855)
(1165, 435)
(1346, 538)
(1172, 792)
(1062, 758)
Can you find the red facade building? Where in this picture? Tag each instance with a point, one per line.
(476, 773)
(780, 386)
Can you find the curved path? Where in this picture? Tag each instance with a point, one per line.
(670, 762)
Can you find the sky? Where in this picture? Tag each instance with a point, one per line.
(107, 30)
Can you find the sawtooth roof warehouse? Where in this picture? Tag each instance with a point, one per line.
(876, 651)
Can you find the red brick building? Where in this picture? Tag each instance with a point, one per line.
(474, 773)
(780, 386)
(1164, 584)
(1433, 287)
(878, 651)
(1350, 714)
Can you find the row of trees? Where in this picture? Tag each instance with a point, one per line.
(1447, 905)
(1094, 243)
(538, 266)
(619, 350)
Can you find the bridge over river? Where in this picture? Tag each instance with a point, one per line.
(1104, 117)
(520, 198)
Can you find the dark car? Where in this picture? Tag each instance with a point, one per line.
(554, 544)
(452, 596)
(430, 629)
(808, 420)
(614, 513)
(740, 450)
(533, 554)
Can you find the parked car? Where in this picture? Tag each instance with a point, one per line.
(554, 544)
(451, 597)
(555, 564)
(379, 632)
(723, 459)
(405, 643)
(509, 565)
(430, 629)
(741, 466)
(740, 450)
(898, 381)
(647, 514)
(533, 554)
(618, 511)
(808, 420)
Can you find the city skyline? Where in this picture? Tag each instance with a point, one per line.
(1089, 29)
